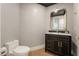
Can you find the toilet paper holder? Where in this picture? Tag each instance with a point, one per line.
(3, 51)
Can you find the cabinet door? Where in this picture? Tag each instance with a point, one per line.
(49, 42)
(56, 47)
(65, 44)
(59, 47)
(65, 48)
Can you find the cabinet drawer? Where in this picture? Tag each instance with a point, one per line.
(64, 38)
(51, 37)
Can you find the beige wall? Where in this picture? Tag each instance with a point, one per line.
(76, 20)
(33, 24)
(76, 25)
(0, 25)
(10, 22)
(69, 9)
(72, 20)
(29, 22)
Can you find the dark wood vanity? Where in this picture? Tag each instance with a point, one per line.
(58, 43)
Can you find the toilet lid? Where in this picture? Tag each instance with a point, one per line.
(21, 49)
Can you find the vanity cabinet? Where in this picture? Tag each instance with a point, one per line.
(59, 44)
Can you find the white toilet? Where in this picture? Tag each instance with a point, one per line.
(15, 50)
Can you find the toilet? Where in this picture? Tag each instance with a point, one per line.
(15, 49)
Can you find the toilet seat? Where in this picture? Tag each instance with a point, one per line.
(21, 50)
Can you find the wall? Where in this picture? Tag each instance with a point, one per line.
(69, 9)
(0, 25)
(10, 22)
(27, 23)
(33, 24)
(76, 20)
(76, 25)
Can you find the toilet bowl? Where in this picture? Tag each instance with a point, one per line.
(15, 49)
(21, 51)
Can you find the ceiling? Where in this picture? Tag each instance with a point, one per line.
(46, 4)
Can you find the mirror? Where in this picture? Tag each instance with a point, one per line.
(58, 22)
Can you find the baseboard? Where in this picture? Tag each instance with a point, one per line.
(37, 47)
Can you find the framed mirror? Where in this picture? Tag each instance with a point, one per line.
(58, 22)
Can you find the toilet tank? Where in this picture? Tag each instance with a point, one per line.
(11, 45)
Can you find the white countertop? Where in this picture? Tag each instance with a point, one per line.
(58, 33)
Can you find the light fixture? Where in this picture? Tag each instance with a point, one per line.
(56, 10)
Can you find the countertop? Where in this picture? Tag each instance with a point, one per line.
(59, 33)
